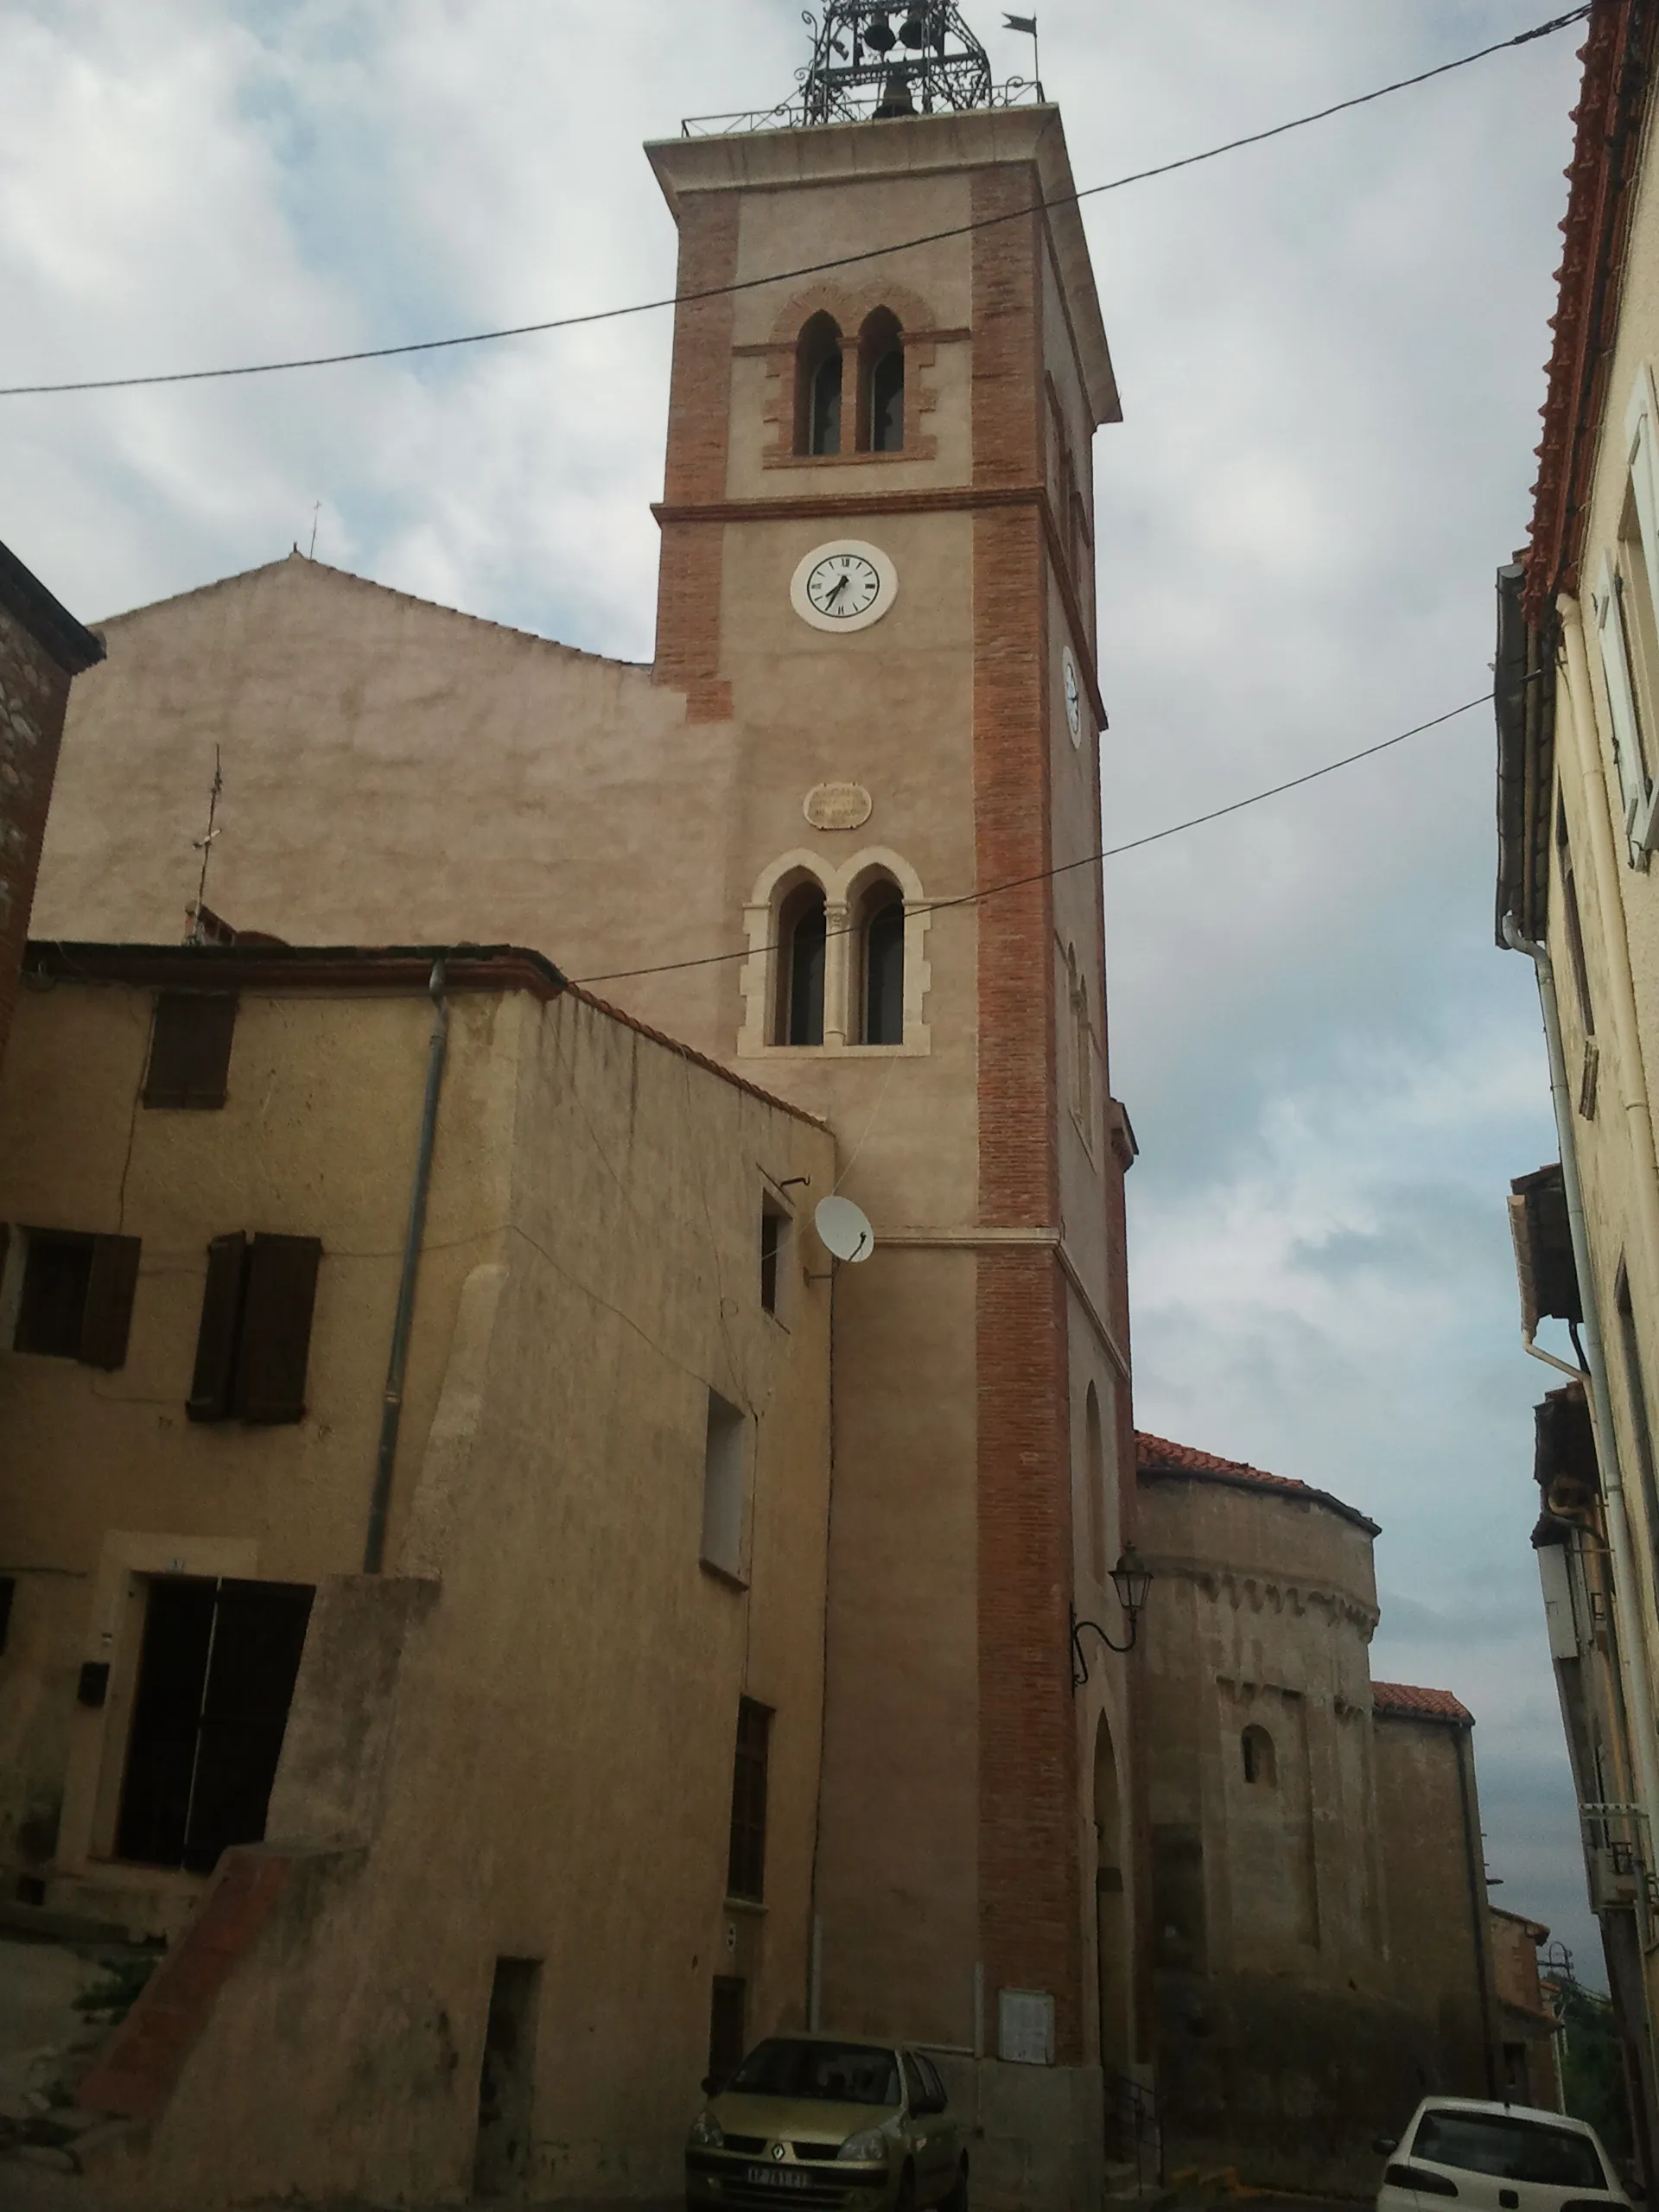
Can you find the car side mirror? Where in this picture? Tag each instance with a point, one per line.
(1384, 2143)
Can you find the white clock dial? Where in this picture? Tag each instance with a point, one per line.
(1073, 700)
(843, 586)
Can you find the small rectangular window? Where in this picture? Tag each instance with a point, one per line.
(773, 1225)
(190, 1048)
(255, 1338)
(746, 1869)
(724, 1469)
(8, 1597)
(77, 1294)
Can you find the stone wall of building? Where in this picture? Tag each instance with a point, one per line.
(42, 648)
(1291, 2027)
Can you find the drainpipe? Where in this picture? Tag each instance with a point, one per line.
(1627, 1584)
(391, 1413)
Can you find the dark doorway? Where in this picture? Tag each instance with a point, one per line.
(507, 2080)
(216, 1676)
(726, 2028)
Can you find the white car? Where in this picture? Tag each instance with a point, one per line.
(1497, 2158)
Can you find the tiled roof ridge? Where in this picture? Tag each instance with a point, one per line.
(1156, 1455)
(1617, 57)
(370, 583)
(1408, 1701)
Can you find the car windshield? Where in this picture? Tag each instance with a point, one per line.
(1515, 2149)
(829, 2073)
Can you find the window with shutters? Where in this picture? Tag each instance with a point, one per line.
(190, 1048)
(1626, 602)
(774, 1232)
(879, 948)
(746, 1868)
(255, 1339)
(803, 935)
(75, 1296)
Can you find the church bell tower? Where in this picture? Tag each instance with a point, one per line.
(877, 596)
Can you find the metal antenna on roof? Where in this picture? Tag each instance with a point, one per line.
(205, 847)
(316, 508)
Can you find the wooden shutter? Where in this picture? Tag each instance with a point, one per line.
(190, 1048)
(221, 1320)
(276, 1339)
(1620, 701)
(1642, 433)
(106, 1318)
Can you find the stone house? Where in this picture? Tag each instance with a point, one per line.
(414, 1411)
(1577, 698)
(1321, 1954)
(42, 648)
(1531, 2032)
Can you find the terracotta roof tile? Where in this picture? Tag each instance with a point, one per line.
(1407, 1702)
(1156, 1455)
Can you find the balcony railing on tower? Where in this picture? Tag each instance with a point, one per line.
(874, 62)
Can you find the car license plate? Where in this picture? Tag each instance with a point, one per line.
(777, 2178)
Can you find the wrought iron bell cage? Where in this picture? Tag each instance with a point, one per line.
(872, 59)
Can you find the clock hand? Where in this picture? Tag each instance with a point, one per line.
(836, 594)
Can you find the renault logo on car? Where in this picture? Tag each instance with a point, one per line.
(777, 2150)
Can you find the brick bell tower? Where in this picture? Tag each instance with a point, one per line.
(877, 596)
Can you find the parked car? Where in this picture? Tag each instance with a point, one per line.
(1495, 2158)
(828, 2121)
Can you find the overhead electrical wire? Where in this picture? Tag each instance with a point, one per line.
(788, 276)
(1065, 867)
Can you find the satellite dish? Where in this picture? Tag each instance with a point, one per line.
(843, 1229)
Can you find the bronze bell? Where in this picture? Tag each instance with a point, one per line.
(878, 34)
(895, 97)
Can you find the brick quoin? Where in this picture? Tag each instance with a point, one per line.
(689, 579)
(1030, 1879)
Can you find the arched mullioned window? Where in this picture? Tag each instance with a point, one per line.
(881, 383)
(1256, 1747)
(818, 387)
(802, 943)
(880, 939)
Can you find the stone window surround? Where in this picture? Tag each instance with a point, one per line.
(757, 979)
(849, 310)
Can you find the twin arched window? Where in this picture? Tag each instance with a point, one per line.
(875, 926)
(820, 353)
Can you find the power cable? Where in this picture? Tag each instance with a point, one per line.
(1089, 859)
(790, 276)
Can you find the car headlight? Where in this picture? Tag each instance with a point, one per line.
(870, 2148)
(705, 2132)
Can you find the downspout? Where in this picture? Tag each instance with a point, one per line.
(391, 1412)
(1627, 1586)
(1474, 1867)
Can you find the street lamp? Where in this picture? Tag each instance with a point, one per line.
(1131, 1579)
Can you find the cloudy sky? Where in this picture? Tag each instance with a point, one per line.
(1330, 350)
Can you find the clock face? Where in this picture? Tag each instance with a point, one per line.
(1073, 700)
(844, 586)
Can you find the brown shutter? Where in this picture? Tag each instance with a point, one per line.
(190, 1048)
(221, 1316)
(106, 1318)
(276, 1329)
